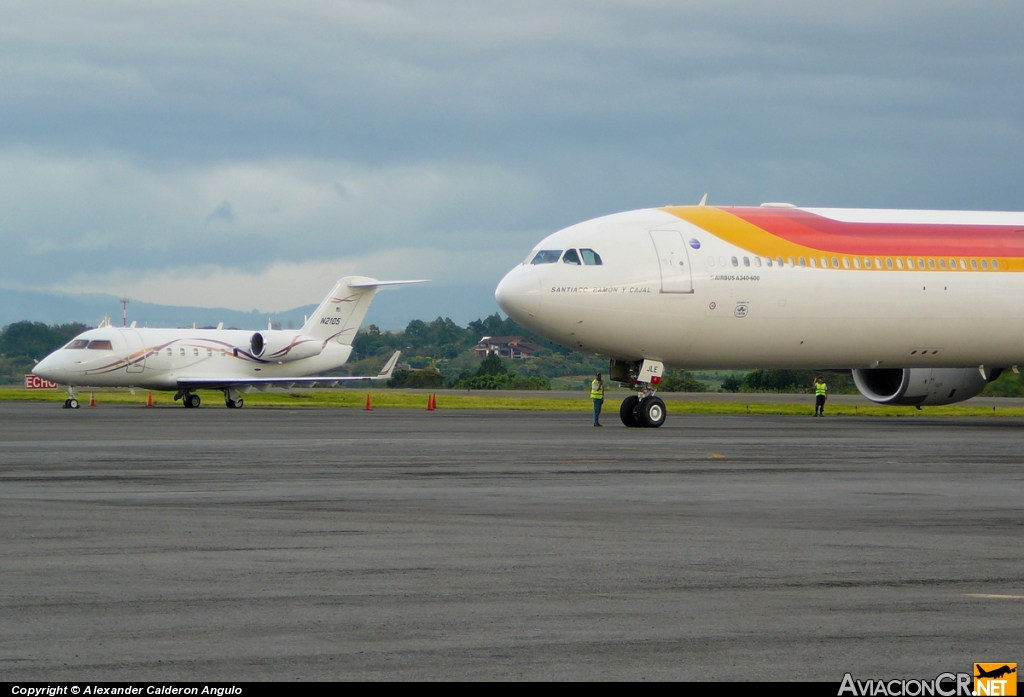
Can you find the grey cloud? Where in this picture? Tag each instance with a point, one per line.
(353, 127)
(223, 213)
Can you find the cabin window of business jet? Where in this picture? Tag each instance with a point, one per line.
(910, 263)
(878, 263)
(590, 257)
(757, 261)
(974, 264)
(846, 262)
(547, 256)
(952, 263)
(867, 263)
(835, 263)
(963, 264)
(888, 263)
(984, 263)
(931, 263)
(791, 262)
(101, 345)
(735, 261)
(814, 264)
(571, 257)
(77, 344)
(856, 263)
(782, 263)
(168, 352)
(824, 263)
(995, 264)
(899, 263)
(942, 263)
(746, 261)
(768, 260)
(195, 352)
(182, 352)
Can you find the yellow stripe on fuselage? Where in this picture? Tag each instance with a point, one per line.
(736, 231)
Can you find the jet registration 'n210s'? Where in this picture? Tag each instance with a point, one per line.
(233, 361)
(925, 307)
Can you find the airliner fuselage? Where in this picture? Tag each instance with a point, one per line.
(783, 287)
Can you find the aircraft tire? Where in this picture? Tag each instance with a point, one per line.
(233, 403)
(192, 401)
(627, 411)
(72, 403)
(651, 412)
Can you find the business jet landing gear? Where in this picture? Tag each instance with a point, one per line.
(188, 399)
(643, 409)
(71, 402)
(232, 400)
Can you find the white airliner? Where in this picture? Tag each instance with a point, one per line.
(925, 307)
(233, 361)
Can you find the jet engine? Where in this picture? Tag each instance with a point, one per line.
(282, 347)
(921, 386)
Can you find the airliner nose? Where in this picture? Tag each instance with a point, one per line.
(518, 294)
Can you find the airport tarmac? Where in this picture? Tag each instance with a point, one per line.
(320, 544)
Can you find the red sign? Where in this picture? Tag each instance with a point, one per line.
(34, 382)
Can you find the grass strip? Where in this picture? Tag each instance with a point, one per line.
(391, 399)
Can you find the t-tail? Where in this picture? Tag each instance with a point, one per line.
(342, 312)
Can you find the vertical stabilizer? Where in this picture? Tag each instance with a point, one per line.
(342, 311)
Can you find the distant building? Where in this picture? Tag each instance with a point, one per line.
(507, 346)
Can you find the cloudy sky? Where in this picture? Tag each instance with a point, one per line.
(246, 155)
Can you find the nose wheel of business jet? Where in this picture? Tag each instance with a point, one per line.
(71, 403)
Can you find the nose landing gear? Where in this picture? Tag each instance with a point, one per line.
(644, 409)
(71, 402)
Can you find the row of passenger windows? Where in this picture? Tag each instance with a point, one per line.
(585, 257)
(95, 344)
(195, 352)
(868, 263)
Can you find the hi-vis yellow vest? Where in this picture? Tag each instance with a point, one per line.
(596, 390)
(820, 389)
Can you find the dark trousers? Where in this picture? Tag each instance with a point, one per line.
(598, 403)
(819, 404)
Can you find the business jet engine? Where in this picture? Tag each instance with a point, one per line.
(921, 386)
(282, 347)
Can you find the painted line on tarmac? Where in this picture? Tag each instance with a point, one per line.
(992, 595)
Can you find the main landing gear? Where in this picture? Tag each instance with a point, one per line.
(232, 400)
(643, 409)
(188, 399)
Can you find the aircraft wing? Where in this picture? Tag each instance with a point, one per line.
(263, 384)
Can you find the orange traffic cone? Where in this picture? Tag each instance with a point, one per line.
(369, 407)
(149, 400)
(430, 403)
(92, 399)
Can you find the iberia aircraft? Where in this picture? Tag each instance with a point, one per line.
(233, 361)
(924, 307)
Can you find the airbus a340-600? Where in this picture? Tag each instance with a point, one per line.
(233, 361)
(924, 307)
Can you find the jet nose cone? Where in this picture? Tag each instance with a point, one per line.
(518, 294)
(47, 369)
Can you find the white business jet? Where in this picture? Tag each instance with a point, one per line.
(925, 307)
(233, 361)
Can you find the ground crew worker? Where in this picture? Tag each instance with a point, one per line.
(820, 395)
(597, 394)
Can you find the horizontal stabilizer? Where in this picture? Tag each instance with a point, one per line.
(373, 283)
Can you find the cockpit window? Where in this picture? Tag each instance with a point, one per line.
(571, 257)
(590, 257)
(547, 256)
(103, 345)
(77, 344)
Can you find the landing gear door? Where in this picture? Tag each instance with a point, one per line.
(673, 261)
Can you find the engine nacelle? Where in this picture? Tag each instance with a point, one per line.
(282, 347)
(920, 386)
